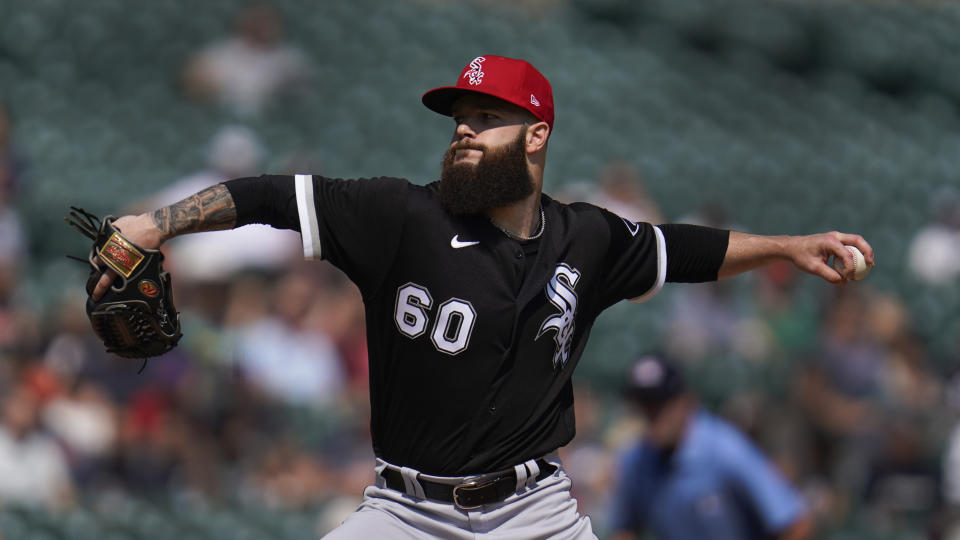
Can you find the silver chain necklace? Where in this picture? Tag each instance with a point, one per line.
(543, 224)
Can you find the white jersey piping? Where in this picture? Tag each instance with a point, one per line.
(661, 268)
(309, 231)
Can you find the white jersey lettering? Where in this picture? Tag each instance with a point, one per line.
(561, 294)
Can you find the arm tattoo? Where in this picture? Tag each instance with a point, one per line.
(212, 209)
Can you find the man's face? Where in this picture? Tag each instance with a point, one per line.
(19, 410)
(486, 164)
(667, 422)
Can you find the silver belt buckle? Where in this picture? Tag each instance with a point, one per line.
(468, 486)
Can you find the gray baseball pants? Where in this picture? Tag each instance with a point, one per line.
(541, 509)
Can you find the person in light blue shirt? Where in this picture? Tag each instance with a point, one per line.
(693, 476)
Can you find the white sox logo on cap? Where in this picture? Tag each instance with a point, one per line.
(475, 74)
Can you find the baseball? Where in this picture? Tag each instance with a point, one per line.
(860, 264)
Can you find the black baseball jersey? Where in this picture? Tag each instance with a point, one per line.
(472, 336)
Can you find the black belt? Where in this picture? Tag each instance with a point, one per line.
(469, 495)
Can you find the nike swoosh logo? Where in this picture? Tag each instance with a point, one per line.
(455, 243)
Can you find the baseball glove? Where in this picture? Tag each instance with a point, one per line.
(135, 318)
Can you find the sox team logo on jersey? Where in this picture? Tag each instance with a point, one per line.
(475, 74)
(561, 294)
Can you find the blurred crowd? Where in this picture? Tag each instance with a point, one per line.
(265, 400)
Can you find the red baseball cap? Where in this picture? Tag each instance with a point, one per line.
(512, 80)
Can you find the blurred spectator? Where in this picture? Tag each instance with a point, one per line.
(84, 420)
(248, 301)
(715, 319)
(848, 359)
(903, 483)
(694, 475)
(146, 454)
(588, 457)
(623, 192)
(908, 381)
(12, 162)
(934, 253)
(949, 519)
(13, 236)
(250, 69)
(159, 449)
(718, 318)
(618, 188)
(33, 468)
(338, 313)
(950, 486)
(235, 151)
(288, 477)
(839, 390)
(792, 318)
(72, 346)
(286, 357)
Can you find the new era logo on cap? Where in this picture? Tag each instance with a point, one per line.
(512, 80)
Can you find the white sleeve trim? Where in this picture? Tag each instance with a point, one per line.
(661, 268)
(309, 231)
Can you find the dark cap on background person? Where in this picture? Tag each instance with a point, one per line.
(512, 80)
(654, 380)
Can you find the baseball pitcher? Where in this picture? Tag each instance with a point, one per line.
(480, 292)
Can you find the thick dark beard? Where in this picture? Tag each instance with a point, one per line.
(500, 178)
